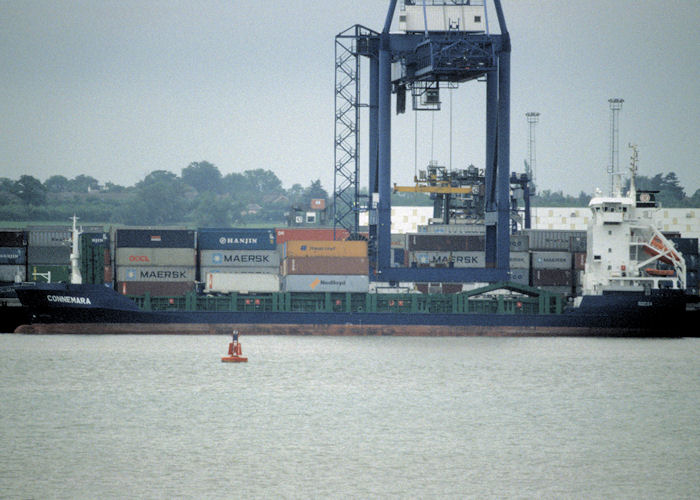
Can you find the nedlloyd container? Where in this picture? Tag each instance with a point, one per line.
(239, 258)
(154, 256)
(326, 283)
(241, 282)
(155, 238)
(156, 273)
(325, 249)
(236, 239)
(551, 260)
(13, 256)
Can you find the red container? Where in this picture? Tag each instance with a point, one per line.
(311, 234)
(325, 265)
(580, 261)
(551, 277)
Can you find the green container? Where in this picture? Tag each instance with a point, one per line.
(48, 273)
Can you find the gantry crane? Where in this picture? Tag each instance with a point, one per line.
(443, 43)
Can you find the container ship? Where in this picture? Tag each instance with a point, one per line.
(622, 277)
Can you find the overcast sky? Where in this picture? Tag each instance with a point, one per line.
(117, 89)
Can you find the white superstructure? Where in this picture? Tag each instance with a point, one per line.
(625, 250)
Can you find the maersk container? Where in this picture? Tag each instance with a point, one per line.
(520, 260)
(155, 256)
(326, 283)
(551, 260)
(10, 238)
(239, 258)
(155, 273)
(13, 273)
(55, 255)
(241, 282)
(310, 234)
(445, 242)
(49, 237)
(154, 288)
(325, 249)
(154, 238)
(13, 256)
(236, 239)
(325, 265)
(448, 259)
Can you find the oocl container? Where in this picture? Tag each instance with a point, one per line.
(236, 239)
(154, 256)
(325, 249)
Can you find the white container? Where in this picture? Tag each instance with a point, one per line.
(241, 282)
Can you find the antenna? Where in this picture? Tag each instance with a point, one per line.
(532, 118)
(613, 166)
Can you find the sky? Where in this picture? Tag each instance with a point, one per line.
(115, 89)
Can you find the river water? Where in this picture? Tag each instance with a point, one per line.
(349, 417)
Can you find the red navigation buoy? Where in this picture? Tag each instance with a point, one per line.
(234, 351)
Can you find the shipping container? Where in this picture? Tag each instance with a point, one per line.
(579, 261)
(46, 273)
(219, 269)
(236, 239)
(326, 283)
(156, 289)
(13, 238)
(439, 288)
(155, 256)
(448, 259)
(554, 239)
(13, 273)
(685, 246)
(325, 265)
(239, 258)
(153, 273)
(469, 229)
(241, 282)
(100, 238)
(310, 234)
(552, 277)
(155, 238)
(519, 243)
(446, 243)
(54, 255)
(551, 260)
(398, 240)
(311, 248)
(519, 276)
(578, 242)
(49, 237)
(13, 256)
(520, 260)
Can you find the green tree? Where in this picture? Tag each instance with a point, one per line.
(84, 183)
(30, 190)
(203, 176)
(158, 199)
(57, 184)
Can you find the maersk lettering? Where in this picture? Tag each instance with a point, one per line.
(247, 259)
(65, 299)
(145, 274)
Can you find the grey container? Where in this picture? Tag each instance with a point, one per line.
(59, 255)
(239, 258)
(551, 260)
(326, 283)
(520, 260)
(555, 239)
(13, 256)
(49, 238)
(241, 282)
(519, 243)
(12, 273)
(449, 259)
(155, 274)
(154, 256)
(519, 276)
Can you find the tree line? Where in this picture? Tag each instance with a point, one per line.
(202, 196)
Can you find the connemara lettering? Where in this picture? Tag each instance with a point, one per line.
(65, 299)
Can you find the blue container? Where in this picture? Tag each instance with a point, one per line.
(155, 238)
(13, 256)
(236, 239)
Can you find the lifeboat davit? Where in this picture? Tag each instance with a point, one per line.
(657, 247)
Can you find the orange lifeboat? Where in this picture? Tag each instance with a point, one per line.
(234, 351)
(656, 247)
(659, 272)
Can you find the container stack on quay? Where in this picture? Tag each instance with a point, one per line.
(325, 266)
(13, 257)
(48, 254)
(155, 261)
(238, 260)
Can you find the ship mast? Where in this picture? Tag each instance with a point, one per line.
(75, 277)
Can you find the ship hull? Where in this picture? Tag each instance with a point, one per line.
(99, 310)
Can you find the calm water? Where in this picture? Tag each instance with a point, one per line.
(359, 417)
